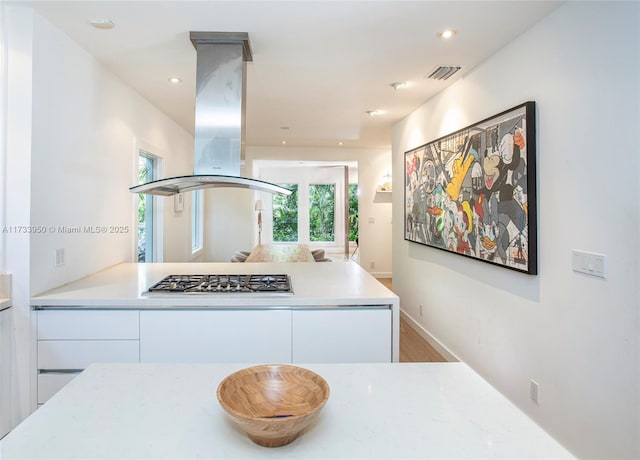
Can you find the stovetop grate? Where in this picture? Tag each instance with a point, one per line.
(222, 284)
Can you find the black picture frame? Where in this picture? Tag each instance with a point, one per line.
(473, 192)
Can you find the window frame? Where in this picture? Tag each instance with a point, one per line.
(150, 150)
(197, 224)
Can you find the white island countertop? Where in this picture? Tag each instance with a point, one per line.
(4, 303)
(314, 284)
(375, 411)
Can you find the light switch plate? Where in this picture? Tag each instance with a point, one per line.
(589, 263)
(60, 257)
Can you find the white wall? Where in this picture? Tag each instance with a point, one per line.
(373, 164)
(70, 160)
(228, 223)
(18, 80)
(86, 123)
(576, 335)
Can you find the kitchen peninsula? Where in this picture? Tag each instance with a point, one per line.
(336, 313)
(381, 411)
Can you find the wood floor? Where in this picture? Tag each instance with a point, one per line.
(413, 348)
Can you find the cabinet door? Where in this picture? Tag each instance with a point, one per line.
(50, 383)
(342, 336)
(88, 324)
(5, 373)
(215, 336)
(78, 354)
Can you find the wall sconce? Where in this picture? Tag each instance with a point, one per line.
(385, 184)
(259, 209)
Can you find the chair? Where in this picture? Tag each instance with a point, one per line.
(324, 259)
(240, 256)
(318, 254)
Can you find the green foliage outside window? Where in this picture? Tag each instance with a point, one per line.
(145, 174)
(285, 215)
(321, 213)
(353, 212)
(322, 200)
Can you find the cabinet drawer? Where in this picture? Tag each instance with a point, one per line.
(342, 336)
(243, 336)
(88, 324)
(78, 354)
(50, 384)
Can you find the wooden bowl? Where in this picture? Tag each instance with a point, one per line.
(273, 403)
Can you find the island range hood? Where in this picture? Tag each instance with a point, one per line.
(219, 129)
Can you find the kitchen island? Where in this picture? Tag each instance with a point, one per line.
(122, 286)
(336, 313)
(375, 411)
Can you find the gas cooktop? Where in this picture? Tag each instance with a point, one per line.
(222, 284)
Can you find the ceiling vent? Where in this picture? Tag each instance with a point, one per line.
(443, 72)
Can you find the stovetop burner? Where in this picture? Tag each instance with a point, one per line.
(222, 284)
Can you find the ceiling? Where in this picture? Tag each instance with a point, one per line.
(318, 66)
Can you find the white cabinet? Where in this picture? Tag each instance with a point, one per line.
(5, 372)
(342, 336)
(215, 336)
(52, 382)
(78, 354)
(70, 340)
(88, 324)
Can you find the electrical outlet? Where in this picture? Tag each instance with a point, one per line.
(372, 265)
(420, 309)
(534, 391)
(60, 256)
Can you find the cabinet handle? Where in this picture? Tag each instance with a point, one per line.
(59, 371)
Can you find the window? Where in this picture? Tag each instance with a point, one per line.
(322, 204)
(197, 222)
(353, 212)
(148, 166)
(322, 211)
(285, 215)
(321, 214)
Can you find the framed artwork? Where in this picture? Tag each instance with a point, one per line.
(473, 192)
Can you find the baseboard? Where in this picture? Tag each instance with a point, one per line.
(435, 343)
(381, 274)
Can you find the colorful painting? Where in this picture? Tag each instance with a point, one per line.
(473, 192)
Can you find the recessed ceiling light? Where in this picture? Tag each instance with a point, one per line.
(102, 23)
(284, 142)
(447, 33)
(175, 80)
(340, 143)
(398, 84)
(372, 113)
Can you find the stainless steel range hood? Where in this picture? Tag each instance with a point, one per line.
(219, 130)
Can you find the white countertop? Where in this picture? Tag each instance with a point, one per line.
(375, 411)
(314, 284)
(4, 304)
